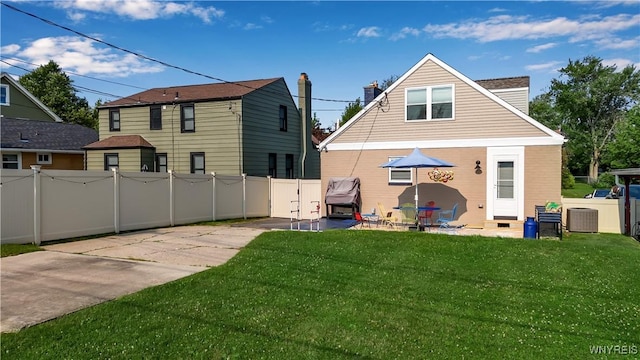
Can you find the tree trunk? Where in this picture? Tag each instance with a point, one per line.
(594, 164)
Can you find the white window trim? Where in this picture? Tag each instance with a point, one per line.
(6, 92)
(392, 170)
(430, 103)
(48, 162)
(19, 159)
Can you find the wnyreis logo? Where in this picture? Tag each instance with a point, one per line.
(614, 349)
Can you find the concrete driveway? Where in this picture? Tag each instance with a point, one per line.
(44, 285)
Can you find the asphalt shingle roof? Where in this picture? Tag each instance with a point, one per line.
(504, 83)
(44, 135)
(188, 93)
(121, 142)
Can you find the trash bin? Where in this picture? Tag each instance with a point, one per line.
(530, 228)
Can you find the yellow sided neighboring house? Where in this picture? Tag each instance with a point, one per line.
(248, 127)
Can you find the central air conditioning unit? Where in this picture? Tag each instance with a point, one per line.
(582, 220)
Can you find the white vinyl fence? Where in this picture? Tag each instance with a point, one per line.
(610, 212)
(44, 205)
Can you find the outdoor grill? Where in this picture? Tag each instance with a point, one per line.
(343, 197)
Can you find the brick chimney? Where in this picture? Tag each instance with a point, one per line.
(371, 92)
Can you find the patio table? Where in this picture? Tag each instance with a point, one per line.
(371, 218)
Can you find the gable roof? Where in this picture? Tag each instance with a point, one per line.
(189, 93)
(44, 135)
(30, 96)
(556, 138)
(120, 142)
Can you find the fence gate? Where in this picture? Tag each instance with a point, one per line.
(306, 192)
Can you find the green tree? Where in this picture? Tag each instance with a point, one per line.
(624, 150)
(315, 122)
(55, 89)
(350, 110)
(591, 100)
(384, 85)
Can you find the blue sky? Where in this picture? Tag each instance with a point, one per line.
(342, 46)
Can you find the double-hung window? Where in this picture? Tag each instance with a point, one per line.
(161, 162)
(43, 158)
(155, 118)
(4, 94)
(288, 164)
(187, 118)
(429, 103)
(10, 161)
(399, 176)
(197, 163)
(114, 120)
(111, 161)
(283, 118)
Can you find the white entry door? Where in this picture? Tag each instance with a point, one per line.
(505, 183)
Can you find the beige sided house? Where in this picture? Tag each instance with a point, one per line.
(251, 127)
(506, 162)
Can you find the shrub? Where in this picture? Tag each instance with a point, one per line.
(605, 180)
(568, 181)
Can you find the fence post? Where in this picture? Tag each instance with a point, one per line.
(244, 196)
(270, 194)
(36, 204)
(116, 201)
(171, 199)
(213, 197)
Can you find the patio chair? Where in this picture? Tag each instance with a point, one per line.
(386, 217)
(425, 217)
(446, 216)
(408, 211)
(359, 220)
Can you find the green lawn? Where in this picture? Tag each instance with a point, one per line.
(370, 295)
(17, 249)
(579, 190)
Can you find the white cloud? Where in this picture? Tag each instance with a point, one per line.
(552, 65)
(371, 31)
(619, 44)
(9, 49)
(404, 32)
(507, 27)
(540, 48)
(252, 26)
(618, 63)
(139, 9)
(76, 16)
(80, 55)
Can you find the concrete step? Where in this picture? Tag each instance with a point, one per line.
(506, 224)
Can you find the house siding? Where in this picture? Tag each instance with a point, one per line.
(128, 159)
(216, 134)
(21, 107)
(58, 161)
(543, 176)
(476, 116)
(261, 130)
(516, 97)
(468, 188)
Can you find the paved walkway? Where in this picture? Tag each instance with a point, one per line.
(44, 285)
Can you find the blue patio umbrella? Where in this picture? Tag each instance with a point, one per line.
(416, 160)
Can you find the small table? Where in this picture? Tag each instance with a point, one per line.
(371, 218)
